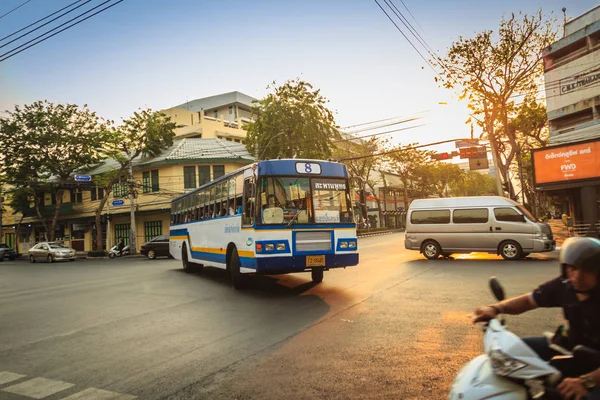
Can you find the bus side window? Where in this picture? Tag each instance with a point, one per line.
(249, 201)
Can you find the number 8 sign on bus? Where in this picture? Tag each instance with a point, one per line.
(308, 168)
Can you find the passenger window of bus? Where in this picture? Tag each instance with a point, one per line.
(249, 207)
(470, 216)
(507, 215)
(430, 217)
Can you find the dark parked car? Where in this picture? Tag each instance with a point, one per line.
(157, 247)
(6, 252)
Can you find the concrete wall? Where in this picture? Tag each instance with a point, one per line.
(568, 74)
(582, 21)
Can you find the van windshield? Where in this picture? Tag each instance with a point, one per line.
(527, 213)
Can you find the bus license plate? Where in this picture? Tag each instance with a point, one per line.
(315, 261)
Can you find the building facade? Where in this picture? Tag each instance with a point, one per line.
(569, 168)
(208, 144)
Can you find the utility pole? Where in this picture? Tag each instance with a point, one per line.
(132, 248)
(108, 243)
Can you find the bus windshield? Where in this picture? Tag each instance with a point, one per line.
(303, 200)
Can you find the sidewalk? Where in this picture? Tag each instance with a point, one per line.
(559, 230)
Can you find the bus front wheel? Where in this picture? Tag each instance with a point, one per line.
(188, 266)
(238, 280)
(317, 275)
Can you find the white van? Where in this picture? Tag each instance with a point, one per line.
(489, 224)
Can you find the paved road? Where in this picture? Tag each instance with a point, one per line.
(396, 326)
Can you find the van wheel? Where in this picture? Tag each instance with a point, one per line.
(431, 250)
(510, 250)
(151, 254)
(237, 278)
(31, 259)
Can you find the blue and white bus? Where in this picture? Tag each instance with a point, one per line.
(270, 217)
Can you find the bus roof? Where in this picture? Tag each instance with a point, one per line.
(454, 202)
(280, 167)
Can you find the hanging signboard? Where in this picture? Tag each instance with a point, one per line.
(571, 162)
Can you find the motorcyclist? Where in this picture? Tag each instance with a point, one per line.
(577, 292)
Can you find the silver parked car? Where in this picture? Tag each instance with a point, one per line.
(51, 251)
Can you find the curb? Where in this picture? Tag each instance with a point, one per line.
(375, 234)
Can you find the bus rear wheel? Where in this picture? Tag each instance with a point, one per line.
(317, 275)
(238, 280)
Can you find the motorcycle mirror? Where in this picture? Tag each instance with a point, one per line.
(497, 288)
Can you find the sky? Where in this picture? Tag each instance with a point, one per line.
(159, 53)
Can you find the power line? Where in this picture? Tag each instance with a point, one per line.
(14, 9)
(400, 150)
(407, 39)
(40, 20)
(51, 30)
(64, 29)
(414, 32)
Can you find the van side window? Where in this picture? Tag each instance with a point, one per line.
(470, 216)
(430, 217)
(507, 215)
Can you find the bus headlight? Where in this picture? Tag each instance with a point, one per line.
(269, 247)
(343, 245)
(352, 244)
(280, 247)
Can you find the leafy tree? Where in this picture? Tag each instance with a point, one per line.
(293, 121)
(413, 167)
(146, 133)
(445, 175)
(490, 69)
(473, 183)
(361, 165)
(530, 127)
(44, 141)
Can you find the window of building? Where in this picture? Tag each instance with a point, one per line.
(470, 216)
(430, 217)
(189, 177)
(122, 231)
(154, 178)
(507, 215)
(76, 196)
(152, 229)
(120, 189)
(204, 174)
(146, 182)
(216, 114)
(97, 193)
(218, 171)
(230, 110)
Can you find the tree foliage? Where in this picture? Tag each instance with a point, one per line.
(50, 141)
(414, 169)
(293, 121)
(490, 69)
(146, 133)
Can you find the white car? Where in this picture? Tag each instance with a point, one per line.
(50, 252)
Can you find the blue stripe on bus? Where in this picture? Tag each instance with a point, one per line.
(288, 167)
(298, 263)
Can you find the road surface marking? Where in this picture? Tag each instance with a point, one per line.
(99, 394)
(38, 388)
(6, 377)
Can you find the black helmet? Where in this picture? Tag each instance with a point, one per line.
(580, 252)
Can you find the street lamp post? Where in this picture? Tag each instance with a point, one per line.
(132, 233)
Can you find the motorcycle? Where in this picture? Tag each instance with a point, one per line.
(114, 251)
(511, 370)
